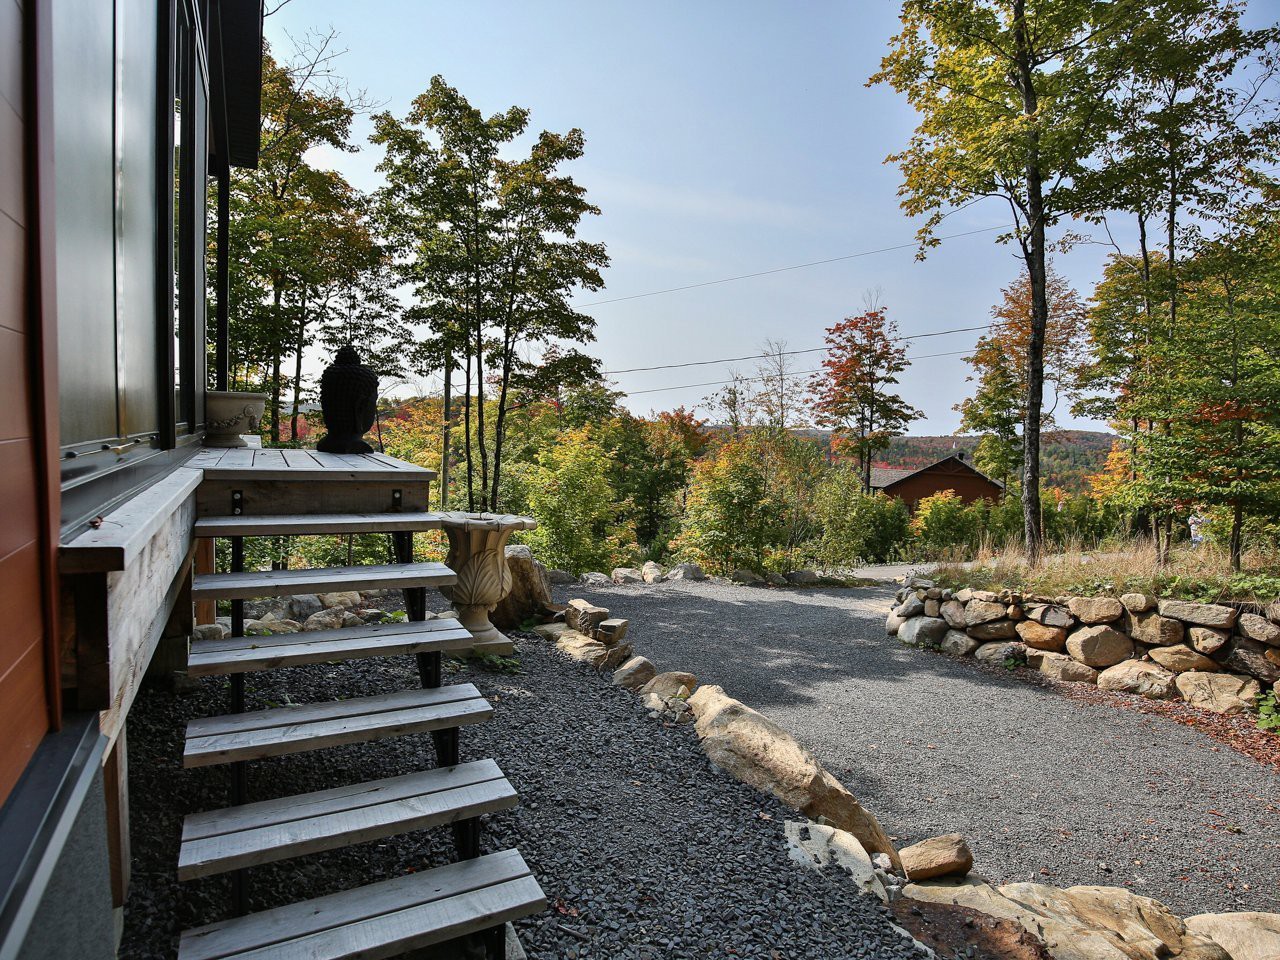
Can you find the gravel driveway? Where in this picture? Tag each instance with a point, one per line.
(644, 849)
(1046, 788)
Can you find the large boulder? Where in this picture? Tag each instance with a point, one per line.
(983, 611)
(998, 651)
(1153, 629)
(347, 599)
(755, 750)
(1245, 935)
(1259, 628)
(922, 631)
(819, 846)
(936, 857)
(1148, 680)
(746, 577)
(1061, 667)
(994, 630)
(595, 578)
(303, 606)
(893, 623)
(686, 571)
(1180, 659)
(584, 616)
(634, 674)
(1219, 692)
(330, 619)
(626, 575)
(1207, 640)
(668, 684)
(561, 578)
(1038, 636)
(1202, 614)
(952, 611)
(1051, 615)
(530, 589)
(1095, 610)
(652, 572)
(912, 606)
(580, 647)
(1078, 923)
(1242, 655)
(803, 578)
(957, 643)
(1099, 646)
(1138, 602)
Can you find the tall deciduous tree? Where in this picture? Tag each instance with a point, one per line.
(1010, 103)
(491, 245)
(853, 393)
(298, 234)
(1000, 363)
(779, 396)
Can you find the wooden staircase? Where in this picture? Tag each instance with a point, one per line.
(475, 895)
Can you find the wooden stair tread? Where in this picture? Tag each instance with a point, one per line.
(282, 583)
(256, 833)
(316, 524)
(381, 920)
(282, 730)
(247, 654)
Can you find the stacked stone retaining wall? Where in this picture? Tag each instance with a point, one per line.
(1215, 656)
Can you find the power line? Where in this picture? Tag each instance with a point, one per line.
(799, 373)
(782, 353)
(797, 266)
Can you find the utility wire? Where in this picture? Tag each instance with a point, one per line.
(783, 353)
(797, 266)
(799, 373)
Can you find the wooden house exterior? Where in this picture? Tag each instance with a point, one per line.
(950, 473)
(114, 115)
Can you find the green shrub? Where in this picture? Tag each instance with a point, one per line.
(1268, 712)
(857, 528)
(944, 526)
(579, 525)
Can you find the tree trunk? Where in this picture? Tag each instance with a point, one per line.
(499, 426)
(299, 346)
(1237, 528)
(446, 429)
(480, 437)
(466, 428)
(1035, 257)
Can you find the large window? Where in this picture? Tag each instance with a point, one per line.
(130, 161)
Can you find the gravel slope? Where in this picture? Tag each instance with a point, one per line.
(645, 850)
(1046, 788)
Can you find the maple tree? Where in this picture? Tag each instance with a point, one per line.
(1000, 362)
(853, 392)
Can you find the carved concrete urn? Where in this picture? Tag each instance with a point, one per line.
(478, 555)
(230, 413)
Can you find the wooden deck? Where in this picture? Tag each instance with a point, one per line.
(289, 463)
(255, 482)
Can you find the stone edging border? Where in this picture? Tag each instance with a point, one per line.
(1075, 923)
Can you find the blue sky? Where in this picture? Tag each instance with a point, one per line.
(723, 138)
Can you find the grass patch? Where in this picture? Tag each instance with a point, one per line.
(1200, 573)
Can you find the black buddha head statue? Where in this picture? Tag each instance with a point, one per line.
(349, 402)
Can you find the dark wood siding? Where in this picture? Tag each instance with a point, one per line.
(24, 707)
(967, 483)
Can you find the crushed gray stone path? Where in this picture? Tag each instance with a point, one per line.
(1046, 788)
(644, 849)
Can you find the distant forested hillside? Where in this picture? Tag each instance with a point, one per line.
(1066, 457)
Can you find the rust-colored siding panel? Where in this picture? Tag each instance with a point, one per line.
(21, 598)
(18, 497)
(13, 273)
(22, 693)
(15, 419)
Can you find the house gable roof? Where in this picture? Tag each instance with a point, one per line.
(885, 478)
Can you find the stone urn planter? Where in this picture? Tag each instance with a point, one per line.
(228, 414)
(477, 554)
